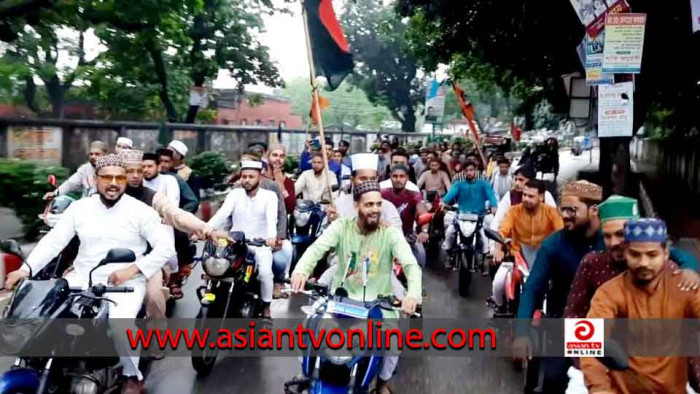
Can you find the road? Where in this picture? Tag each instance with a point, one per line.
(415, 375)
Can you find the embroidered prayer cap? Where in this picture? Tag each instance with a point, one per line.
(251, 165)
(646, 230)
(366, 187)
(179, 147)
(583, 189)
(98, 145)
(399, 167)
(108, 161)
(125, 141)
(365, 161)
(131, 157)
(618, 208)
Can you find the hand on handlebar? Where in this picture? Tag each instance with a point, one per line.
(332, 214)
(408, 305)
(422, 237)
(298, 282)
(498, 255)
(271, 242)
(15, 277)
(118, 277)
(216, 235)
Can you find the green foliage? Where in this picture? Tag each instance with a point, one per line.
(206, 116)
(658, 123)
(22, 185)
(349, 106)
(211, 167)
(291, 164)
(385, 69)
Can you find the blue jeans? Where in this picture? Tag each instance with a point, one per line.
(281, 260)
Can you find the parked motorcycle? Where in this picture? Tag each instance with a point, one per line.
(48, 300)
(231, 288)
(466, 254)
(324, 372)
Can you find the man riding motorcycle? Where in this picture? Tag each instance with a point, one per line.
(410, 205)
(103, 222)
(379, 246)
(253, 210)
(84, 177)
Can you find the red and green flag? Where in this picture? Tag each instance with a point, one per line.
(330, 50)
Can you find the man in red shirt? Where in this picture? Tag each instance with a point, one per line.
(282, 253)
(410, 205)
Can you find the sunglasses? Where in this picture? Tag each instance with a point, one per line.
(119, 179)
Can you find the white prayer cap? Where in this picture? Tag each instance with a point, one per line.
(125, 141)
(251, 165)
(365, 161)
(179, 147)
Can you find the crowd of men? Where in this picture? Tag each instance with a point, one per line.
(588, 257)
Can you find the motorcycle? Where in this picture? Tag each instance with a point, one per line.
(45, 301)
(307, 224)
(326, 373)
(466, 254)
(231, 289)
(51, 215)
(11, 258)
(517, 274)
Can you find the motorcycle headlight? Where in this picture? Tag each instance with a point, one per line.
(302, 218)
(215, 267)
(340, 360)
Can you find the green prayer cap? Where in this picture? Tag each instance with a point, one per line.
(617, 208)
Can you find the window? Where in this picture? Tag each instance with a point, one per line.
(258, 122)
(243, 122)
(226, 121)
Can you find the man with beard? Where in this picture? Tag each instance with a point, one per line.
(106, 221)
(253, 211)
(180, 150)
(154, 180)
(421, 164)
(344, 147)
(521, 176)
(313, 184)
(648, 289)
(189, 200)
(434, 179)
(84, 178)
(599, 267)
(557, 260)
(366, 252)
(172, 216)
(410, 205)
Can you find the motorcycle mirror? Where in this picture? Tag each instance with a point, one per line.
(494, 236)
(341, 292)
(52, 180)
(335, 188)
(615, 357)
(424, 219)
(118, 256)
(12, 247)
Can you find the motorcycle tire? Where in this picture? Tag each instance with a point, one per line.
(465, 275)
(205, 363)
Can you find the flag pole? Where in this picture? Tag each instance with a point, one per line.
(316, 104)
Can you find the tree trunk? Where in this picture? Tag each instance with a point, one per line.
(161, 73)
(30, 94)
(56, 94)
(408, 123)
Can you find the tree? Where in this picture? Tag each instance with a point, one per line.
(384, 69)
(190, 40)
(36, 53)
(349, 106)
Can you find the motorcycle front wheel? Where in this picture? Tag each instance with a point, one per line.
(465, 275)
(204, 363)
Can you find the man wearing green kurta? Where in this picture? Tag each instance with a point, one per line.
(366, 253)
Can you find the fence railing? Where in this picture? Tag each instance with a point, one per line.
(66, 142)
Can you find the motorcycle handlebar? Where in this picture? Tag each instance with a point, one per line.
(108, 289)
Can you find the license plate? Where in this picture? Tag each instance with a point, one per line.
(347, 309)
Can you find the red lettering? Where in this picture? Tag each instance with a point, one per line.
(414, 339)
(436, 345)
(337, 345)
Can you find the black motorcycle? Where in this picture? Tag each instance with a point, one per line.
(231, 289)
(466, 255)
(46, 302)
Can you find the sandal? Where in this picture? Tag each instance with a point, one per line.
(176, 291)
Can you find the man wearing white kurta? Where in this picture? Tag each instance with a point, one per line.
(105, 221)
(84, 178)
(254, 212)
(154, 180)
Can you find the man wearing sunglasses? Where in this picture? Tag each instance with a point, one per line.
(105, 221)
